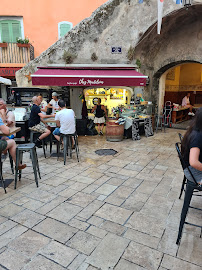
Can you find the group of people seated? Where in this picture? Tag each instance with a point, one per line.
(65, 121)
(65, 118)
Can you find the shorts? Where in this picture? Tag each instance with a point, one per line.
(56, 131)
(9, 137)
(3, 145)
(99, 120)
(41, 128)
(197, 174)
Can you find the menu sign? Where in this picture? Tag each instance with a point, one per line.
(8, 72)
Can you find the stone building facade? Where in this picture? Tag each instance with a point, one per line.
(133, 27)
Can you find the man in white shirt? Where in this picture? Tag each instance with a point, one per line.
(65, 121)
(54, 103)
(43, 105)
(186, 104)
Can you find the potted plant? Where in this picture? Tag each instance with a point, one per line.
(23, 42)
(3, 44)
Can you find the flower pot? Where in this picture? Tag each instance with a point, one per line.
(3, 45)
(24, 45)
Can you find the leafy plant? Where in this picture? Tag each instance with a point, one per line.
(68, 57)
(138, 63)
(131, 54)
(22, 40)
(4, 41)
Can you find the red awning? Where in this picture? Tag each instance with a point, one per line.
(88, 77)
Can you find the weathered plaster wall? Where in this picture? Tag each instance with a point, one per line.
(126, 23)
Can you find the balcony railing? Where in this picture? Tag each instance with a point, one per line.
(14, 54)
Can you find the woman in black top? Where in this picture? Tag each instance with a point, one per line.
(99, 116)
(192, 148)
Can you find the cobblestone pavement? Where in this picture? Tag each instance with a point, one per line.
(106, 212)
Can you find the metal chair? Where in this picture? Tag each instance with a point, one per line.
(1, 175)
(32, 132)
(67, 141)
(191, 186)
(160, 121)
(29, 147)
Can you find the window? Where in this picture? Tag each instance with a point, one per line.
(63, 28)
(10, 30)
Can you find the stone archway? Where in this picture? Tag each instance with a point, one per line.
(160, 79)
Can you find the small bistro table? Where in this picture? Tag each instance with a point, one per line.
(12, 131)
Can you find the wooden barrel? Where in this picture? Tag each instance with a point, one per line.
(114, 131)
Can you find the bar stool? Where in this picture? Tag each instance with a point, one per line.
(67, 141)
(160, 121)
(32, 132)
(29, 147)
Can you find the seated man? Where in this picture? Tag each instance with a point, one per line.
(186, 104)
(7, 117)
(9, 145)
(43, 105)
(35, 123)
(65, 119)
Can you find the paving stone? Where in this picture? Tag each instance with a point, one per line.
(90, 209)
(42, 196)
(83, 179)
(91, 188)
(28, 218)
(96, 231)
(142, 238)
(50, 205)
(84, 242)
(102, 180)
(11, 234)
(144, 256)
(3, 219)
(79, 224)
(170, 262)
(96, 221)
(29, 243)
(55, 230)
(114, 169)
(132, 182)
(115, 181)
(78, 186)
(168, 242)
(108, 252)
(190, 249)
(126, 265)
(113, 227)
(101, 198)
(64, 212)
(55, 181)
(77, 262)
(150, 225)
(113, 213)
(6, 226)
(119, 195)
(33, 204)
(106, 189)
(10, 210)
(12, 260)
(82, 199)
(59, 253)
(42, 263)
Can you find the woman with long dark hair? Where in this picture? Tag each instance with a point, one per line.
(192, 148)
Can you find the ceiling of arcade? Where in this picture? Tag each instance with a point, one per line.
(180, 41)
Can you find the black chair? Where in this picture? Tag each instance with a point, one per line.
(181, 137)
(44, 143)
(1, 175)
(184, 179)
(191, 186)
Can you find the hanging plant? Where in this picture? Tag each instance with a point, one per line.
(131, 54)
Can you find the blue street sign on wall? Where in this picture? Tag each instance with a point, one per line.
(116, 50)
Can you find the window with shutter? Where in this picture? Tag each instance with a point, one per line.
(10, 30)
(63, 28)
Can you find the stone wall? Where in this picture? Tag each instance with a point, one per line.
(128, 24)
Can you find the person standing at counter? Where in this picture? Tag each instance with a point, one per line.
(100, 111)
(53, 104)
(35, 123)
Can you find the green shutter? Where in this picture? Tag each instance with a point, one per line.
(10, 30)
(64, 28)
(16, 30)
(5, 31)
